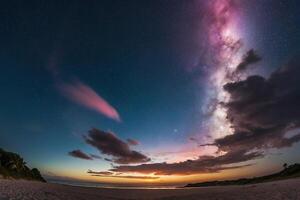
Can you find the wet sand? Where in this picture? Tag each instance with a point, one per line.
(30, 190)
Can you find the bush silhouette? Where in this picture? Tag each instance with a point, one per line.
(13, 165)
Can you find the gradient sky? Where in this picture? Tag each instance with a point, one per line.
(109, 85)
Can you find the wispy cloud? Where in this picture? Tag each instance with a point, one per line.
(84, 95)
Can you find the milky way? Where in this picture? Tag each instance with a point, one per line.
(225, 50)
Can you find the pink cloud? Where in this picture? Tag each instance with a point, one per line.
(86, 96)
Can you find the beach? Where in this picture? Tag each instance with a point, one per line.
(32, 190)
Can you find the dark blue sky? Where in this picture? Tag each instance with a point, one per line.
(131, 53)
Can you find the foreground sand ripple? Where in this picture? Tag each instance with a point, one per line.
(27, 190)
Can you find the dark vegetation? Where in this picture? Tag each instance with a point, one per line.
(291, 171)
(13, 166)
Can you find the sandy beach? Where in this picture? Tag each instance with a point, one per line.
(28, 190)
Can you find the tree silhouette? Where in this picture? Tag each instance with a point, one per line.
(13, 166)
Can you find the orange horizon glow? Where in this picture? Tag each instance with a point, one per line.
(167, 180)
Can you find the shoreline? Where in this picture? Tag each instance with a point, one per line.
(111, 186)
(22, 189)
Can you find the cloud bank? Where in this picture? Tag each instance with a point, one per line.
(204, 164)
(262, 111)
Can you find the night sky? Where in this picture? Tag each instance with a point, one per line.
(165, 91)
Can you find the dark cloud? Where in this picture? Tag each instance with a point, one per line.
(118, 175)
(109, 144)
(104, 173)
(130, 177)
(96, 156)
(251, 57)
(108, 160)
(132, 142)
(204, 164)
(193, 139)
(79, 154)
(262, 111)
